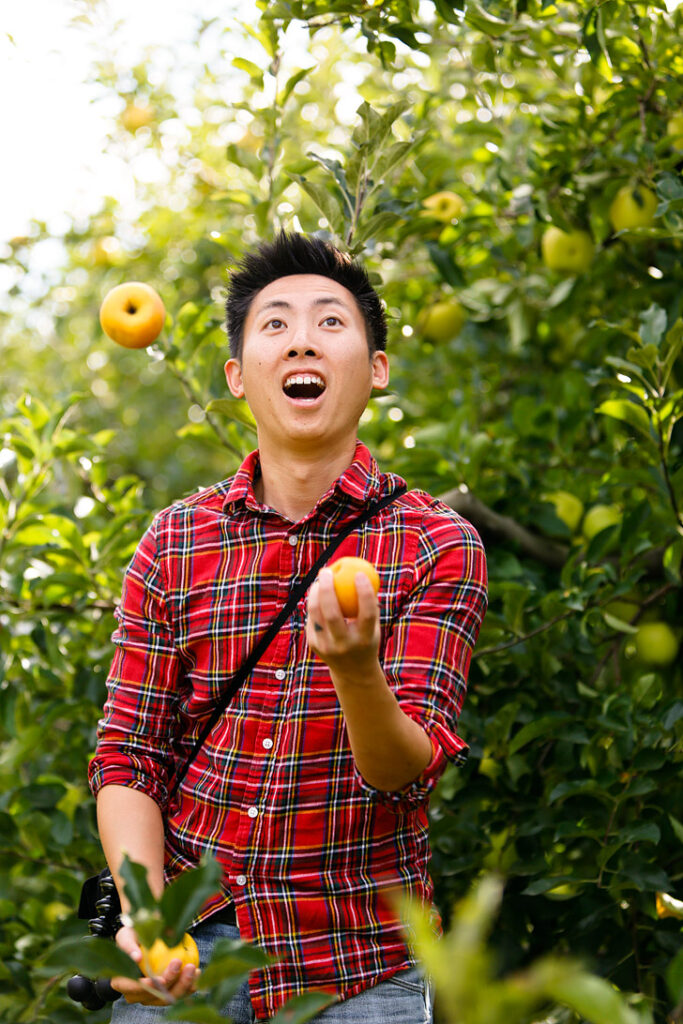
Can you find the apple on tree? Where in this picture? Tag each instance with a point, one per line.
(444, 206)
(132, 314)
(567, 251)
(656, 644)
(568, 508)
(599, 518)
(633, 206)
(441, 321)
(137, 115)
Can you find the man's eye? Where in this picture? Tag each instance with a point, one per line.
(335, 320)
(275, 323)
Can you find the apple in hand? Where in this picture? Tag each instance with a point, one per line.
(633, 206)
(132, 314)
(443, 206)
(344, 572)
(442, 320)
(567, 251)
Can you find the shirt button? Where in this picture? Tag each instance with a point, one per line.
(253, 812)
(268, 743)
(241, 879)
(293, 539)
(280, 674)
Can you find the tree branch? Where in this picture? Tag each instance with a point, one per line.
(487, 521)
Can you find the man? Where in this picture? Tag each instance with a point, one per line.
(312, 790)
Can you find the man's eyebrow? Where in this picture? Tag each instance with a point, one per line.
(324, 300)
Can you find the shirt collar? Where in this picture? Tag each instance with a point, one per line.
(357, 485)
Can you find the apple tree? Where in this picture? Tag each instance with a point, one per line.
(511, 174)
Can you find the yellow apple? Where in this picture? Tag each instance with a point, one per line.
(674, 129)
(567, 251)
(598, 518)
(156, 959)
(442, 320)
(132, 314)
(633, 207)
(136, 116)
(656, 644)
(568, 508)
(443, 206)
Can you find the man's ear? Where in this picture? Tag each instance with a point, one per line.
(233, 375)
(380, 370)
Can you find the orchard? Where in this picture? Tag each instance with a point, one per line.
(511, 174)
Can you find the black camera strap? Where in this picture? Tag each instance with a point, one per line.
(259, 649)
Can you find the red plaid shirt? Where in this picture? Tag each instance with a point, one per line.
(309, 849)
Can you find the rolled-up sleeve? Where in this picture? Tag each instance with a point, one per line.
(134, 734)
(428, 652)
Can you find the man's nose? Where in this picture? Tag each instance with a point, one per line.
(300, 344)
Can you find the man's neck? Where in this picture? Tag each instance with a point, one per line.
(293, 482)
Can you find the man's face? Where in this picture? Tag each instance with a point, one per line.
(306, 370)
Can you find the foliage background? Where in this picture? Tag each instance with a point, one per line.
(533, 113)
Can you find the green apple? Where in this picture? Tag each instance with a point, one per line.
(598, 518)
(443, 206)
(623, 610)
(567, 251)
(656, 644)
(633, 207)
(442, 320)
(674, 129)
(568, 508)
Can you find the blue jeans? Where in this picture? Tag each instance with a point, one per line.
(402, 999)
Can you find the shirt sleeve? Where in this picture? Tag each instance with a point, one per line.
(428, 651)
(134, 735)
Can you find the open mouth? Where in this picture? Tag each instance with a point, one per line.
(304, 387)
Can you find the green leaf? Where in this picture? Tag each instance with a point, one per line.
(291, 84)
(672, 349)
(629, 369)
(593, 998)
(478, 18)
(392, 158)
(194, 1011)
(302, 1008)
(671, 561)
(544, 726)
(232, 958)
(90, 956)
(326, 202)
(376, 226)
(136, 886)
(627, 412)
(674, 977)
(446, 10)
(618, 624)
(653, 322)
(677, 827)
(183, 898)
(444, 262)
(253, 70)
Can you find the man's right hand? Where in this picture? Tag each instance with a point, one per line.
(177, 981)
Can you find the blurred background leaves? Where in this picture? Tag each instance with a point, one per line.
(512, 383)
